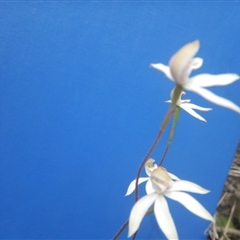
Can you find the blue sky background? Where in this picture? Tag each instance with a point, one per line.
(80, 108)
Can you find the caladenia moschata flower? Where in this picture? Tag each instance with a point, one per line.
(188, 106)
(162, 185)
(149, 167)
(180, 66)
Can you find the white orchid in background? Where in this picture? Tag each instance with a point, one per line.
(188, 106)
(180, 66)
(162, 185)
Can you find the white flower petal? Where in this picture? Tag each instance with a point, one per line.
(197, 63)
(191, 204)
(211, 97)
(164, 218)
(194, 106)
(138, 211)
(182, 185)
(186, 101)
(132, 185)
(188, 109)
(182, 101)
(148, 187)
(181, 62)
(174, 177)
(163, 68)
(210, 80)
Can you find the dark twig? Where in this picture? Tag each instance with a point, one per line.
(119, 232)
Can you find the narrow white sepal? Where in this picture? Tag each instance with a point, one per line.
(164, 218)
(210, 80)
(163, 68)
(138, 211)
(187, 186)
(191, 204)
(132, 185)
(211, 97)
(188, 109)
(194, 106)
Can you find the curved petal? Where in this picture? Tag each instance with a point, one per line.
(197, 63)
(163, 68)
(210, 80)
(138, 211)
(183, 185)
(164, 218)
(148, 187)
(132, 185)
(211, 97)
(194, 106)
(174, 177)
(192, 112)
(150, 166)
(181, 62)
(191, 204)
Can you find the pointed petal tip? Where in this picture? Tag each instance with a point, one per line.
(138, 212)
(153, 65)
(211, 97)
(237, 77)
(129, 234)
(196, 43)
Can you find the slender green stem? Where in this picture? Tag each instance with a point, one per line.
(177, 92)
(162, 128)
(164, 155)
(175, 119)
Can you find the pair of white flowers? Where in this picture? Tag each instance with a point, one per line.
(161, 184)
(180, 67)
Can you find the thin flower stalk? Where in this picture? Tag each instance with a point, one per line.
(175, 119)
(162, 128)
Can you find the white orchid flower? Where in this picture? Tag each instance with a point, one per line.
(162, 185)
(149, 167)
(188, 106)
(180, 66)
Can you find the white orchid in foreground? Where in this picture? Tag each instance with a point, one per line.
(188, 106)
(180, 66)
(149, 167)
(162, 185)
